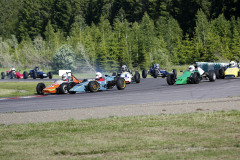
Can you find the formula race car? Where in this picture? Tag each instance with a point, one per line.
(233, 70)
(61, 86)
(99, 84)
(219, 68)
(192, 76)
(12, 73)
(36, 73)
(155, 71)
(127, 75)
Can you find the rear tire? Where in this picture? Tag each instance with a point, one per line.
(155, 73)
(196, 78)
(39, 88)
(221, 73)
(121, 84)
(137, 77)
(11, 75)
(93, 86)
(144, 73)
(212, 76)
(63, 88)
(50, 75)
(170, 79)
(34, 74)
(25, 75)
(217, 74)
(2, 75)
(174, 71)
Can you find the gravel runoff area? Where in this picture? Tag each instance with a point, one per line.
(207, 105)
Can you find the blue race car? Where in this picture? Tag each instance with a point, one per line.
(94, 85)
(155, 71)
(36, 73)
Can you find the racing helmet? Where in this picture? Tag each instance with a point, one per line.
(36, 68)
(98, 75)
(64, 77)
(191, 68)
(13, 70)
(124, 68)
(156, 66)
(232, 64)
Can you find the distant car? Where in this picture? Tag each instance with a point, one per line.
(12, 73)
(58, 87)
(128, 75)
(36, 73)
(192, 76)
(94, 85)
(233, 70)
(155, 71)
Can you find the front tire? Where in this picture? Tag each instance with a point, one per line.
(155, 73)
(40, 88)
(63, 88)
(137, 77)
(211, 76)
(121, 84)
(170, 79)
(25, 75)
(93, 86)
(50, 75)
(144, 73)
(196, 78)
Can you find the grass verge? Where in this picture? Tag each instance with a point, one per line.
(14, 89)
(186, 136)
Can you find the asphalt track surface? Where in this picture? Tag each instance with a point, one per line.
(150, 90)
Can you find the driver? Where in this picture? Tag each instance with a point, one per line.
(156, 66)
(64, 77)
(192, 68)
(12, 70)
(99, 77)
(36, 68)
(232, 64)
(124, 68)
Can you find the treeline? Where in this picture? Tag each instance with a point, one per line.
(107, 33)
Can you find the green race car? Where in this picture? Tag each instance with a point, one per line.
(191, 76)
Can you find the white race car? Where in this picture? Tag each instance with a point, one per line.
(129, 78)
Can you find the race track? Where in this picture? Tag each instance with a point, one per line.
(148, 91)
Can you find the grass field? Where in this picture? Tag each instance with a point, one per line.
(14, 89)
(185, 136)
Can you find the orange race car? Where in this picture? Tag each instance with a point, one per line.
(61, 86)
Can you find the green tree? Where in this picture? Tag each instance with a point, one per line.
(64, 58)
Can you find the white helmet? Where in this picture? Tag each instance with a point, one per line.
(64, 76)
(98, 75)
(13, 69)
(156, 65)
(124, 68)
(232, 64)
(191, 68)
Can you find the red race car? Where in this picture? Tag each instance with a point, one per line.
(13, 74)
